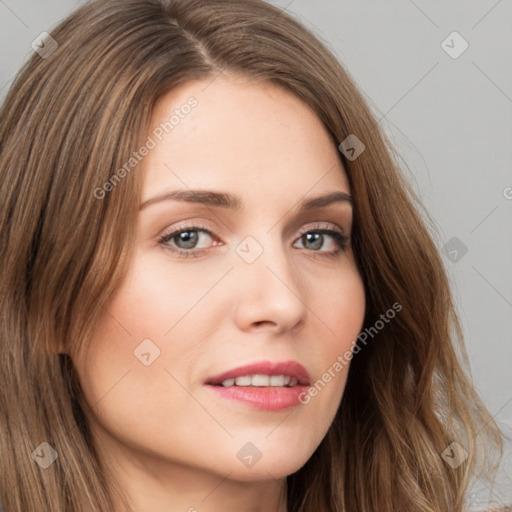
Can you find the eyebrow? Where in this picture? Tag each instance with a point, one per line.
(232, 202)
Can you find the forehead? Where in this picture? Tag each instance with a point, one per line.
(244, 135)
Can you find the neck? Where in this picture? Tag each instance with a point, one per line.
(181, 489)
(148, 483)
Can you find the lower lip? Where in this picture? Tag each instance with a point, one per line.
(264, 398)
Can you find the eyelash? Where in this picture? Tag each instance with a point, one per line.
(341, 239)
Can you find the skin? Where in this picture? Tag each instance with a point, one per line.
(171, 441)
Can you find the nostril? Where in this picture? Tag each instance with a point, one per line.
(262, 323)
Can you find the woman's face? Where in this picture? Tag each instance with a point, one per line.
(269, 285)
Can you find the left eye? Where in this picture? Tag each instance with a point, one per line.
(317, 238)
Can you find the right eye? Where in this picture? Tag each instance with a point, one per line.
(185, 239)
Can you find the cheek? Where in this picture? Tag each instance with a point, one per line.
(155, 301)
(341, 315)
(158, 320)
(342, 310)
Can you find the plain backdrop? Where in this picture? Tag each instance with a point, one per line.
(439, 77)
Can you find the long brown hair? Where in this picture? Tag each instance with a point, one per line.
(72, 119)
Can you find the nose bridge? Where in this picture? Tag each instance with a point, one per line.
(270, 289)
(263, 256)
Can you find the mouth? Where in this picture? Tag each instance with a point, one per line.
(264, 385)
(263, 374)
(258, 380)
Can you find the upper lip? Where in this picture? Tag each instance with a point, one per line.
(291, 368)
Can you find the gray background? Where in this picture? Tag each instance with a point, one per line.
(450, 121)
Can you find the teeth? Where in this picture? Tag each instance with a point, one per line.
(261, 381)
(243, 381)
(277, 380)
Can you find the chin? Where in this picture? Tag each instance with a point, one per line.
(266, 471)
(270, 461)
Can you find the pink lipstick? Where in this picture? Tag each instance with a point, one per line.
(265, 385)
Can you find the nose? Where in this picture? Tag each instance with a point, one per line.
(269, 290)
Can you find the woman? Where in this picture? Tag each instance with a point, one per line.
(217, 290)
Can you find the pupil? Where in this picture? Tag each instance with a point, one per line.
(190, 240)
(318, 243)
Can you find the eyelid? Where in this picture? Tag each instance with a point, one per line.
(187, 225)
(319, 225)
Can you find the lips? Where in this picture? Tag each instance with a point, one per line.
(294, 373)
(265, 386)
